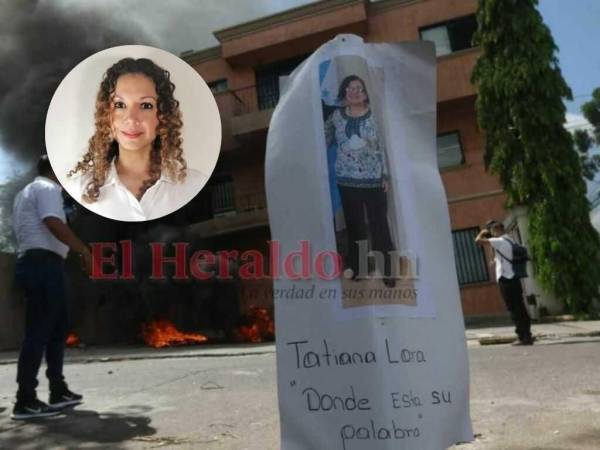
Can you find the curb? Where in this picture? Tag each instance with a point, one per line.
(483, 341)
(104, 359)
(497, 340)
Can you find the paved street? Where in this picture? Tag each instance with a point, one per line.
(545, 397)
(212, 403)
(523, 398)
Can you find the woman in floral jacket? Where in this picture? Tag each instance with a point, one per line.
(361, 173)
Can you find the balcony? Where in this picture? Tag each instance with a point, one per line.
(454, 74)
(232, 213)
(241, 118)
(257, 101)
(250, 120)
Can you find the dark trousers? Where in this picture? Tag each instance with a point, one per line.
(512, 294)
(355, 201)
(40, 274)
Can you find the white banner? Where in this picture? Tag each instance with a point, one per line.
(374, 358)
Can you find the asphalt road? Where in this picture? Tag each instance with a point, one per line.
(544, 397)
(541, 397)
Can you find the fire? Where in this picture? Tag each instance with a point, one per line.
(72, 339)
(162, 333)
(261, 326)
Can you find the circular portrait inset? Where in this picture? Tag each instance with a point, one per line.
(133, 133)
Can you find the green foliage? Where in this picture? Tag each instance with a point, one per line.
(584, 141)
(591, 111)
(520, 108)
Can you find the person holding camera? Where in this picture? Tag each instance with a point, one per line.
(494, 235)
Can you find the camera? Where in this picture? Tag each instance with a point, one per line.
(490, 225)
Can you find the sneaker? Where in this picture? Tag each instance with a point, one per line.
(389, 282)
(32, 409)
(64, 398)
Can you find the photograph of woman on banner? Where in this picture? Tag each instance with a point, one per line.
(134, 167)
(361, 175)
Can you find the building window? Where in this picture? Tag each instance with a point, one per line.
(451, 36)
(469, 257)
(218, 86)
(449, 150)
(267, 80)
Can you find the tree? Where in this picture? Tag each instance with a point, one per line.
(584, 141)
(520, 108)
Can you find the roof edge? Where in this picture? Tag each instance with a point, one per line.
(290, 15)
(384, 5)
(200, 56)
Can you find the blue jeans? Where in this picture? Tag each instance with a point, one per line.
(40, 274)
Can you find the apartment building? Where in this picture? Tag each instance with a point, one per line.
(243, 72)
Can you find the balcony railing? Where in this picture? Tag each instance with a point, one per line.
(224, 201)
(254, 98)
(222, 198)
(237, 102)
(252, 201)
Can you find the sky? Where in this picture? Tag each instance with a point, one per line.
(176, 26)
(182, 25)
(575, 25)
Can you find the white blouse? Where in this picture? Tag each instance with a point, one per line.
(117, 202)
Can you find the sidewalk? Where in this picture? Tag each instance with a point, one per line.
(476, 335)
(542, 332)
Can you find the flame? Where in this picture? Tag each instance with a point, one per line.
(261, 326)
(72, 339)
(162, 333)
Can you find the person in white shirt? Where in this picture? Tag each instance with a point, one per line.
(134, 168)
(510, 287)
(43, 241)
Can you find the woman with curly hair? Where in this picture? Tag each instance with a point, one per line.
(134, 168)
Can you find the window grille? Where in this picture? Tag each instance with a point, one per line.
(267, 81)
(471, 265)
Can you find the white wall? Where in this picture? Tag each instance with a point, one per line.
(517, 224)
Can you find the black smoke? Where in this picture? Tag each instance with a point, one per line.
(40, 45)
